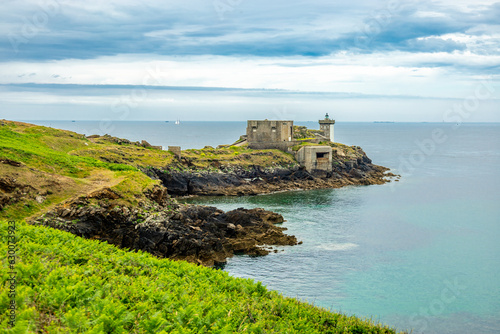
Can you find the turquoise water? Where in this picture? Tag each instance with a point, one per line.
(420, 254)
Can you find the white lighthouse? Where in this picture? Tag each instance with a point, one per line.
(326, 125)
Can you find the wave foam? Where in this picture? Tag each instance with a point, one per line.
(338, 247)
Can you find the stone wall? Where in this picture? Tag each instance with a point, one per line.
(176, 150)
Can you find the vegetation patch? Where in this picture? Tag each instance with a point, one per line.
(209, 158)
(303, 133)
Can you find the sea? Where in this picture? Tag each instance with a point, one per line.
(421, 254)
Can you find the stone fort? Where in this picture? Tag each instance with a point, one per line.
(278, 134)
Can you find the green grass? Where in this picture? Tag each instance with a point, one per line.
(238, 156)
(302, 144)
(125, 154)
(47, 149)
(66, 284)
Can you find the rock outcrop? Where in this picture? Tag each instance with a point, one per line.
(12, 190)
(122, 141)
(199, 234)
(234, 181)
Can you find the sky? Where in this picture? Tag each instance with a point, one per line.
(358, 60)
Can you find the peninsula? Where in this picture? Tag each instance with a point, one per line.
(122, 192)
(272, 156)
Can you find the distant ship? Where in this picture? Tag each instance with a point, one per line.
(383, 122)
(177, 122)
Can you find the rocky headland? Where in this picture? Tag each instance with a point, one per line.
(122, 192)
(195, 233)
(253, 180)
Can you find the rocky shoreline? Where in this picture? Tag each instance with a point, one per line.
(199, 234)
(256, 180)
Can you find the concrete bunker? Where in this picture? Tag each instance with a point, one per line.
(315, 157)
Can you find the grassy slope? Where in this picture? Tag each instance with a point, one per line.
(50, 168)
(68, 284)
(66, 164)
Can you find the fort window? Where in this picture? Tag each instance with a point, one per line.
(273, 129)
(254, 129)
(321, 155)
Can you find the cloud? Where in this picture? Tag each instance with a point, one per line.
(437, 74)
(408, 28)
(85, 30)
(359, 49)
(435, 44)
(106, 103)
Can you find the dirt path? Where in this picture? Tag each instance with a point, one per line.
(70, 188)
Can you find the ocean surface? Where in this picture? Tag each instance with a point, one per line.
(422, 254)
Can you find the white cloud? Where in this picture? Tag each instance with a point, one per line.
(257, 46)
(429, 14)
(399, 73)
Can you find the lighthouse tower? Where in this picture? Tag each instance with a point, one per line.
(326, 125)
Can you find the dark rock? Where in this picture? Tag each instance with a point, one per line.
(8, 184)
(199, 234)
(13, 191)
(104, 193)
(357, 173)
(158, 194)
(237, 181)
(4, 200)
(10, 162)
(366, 160)
(349, 165)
